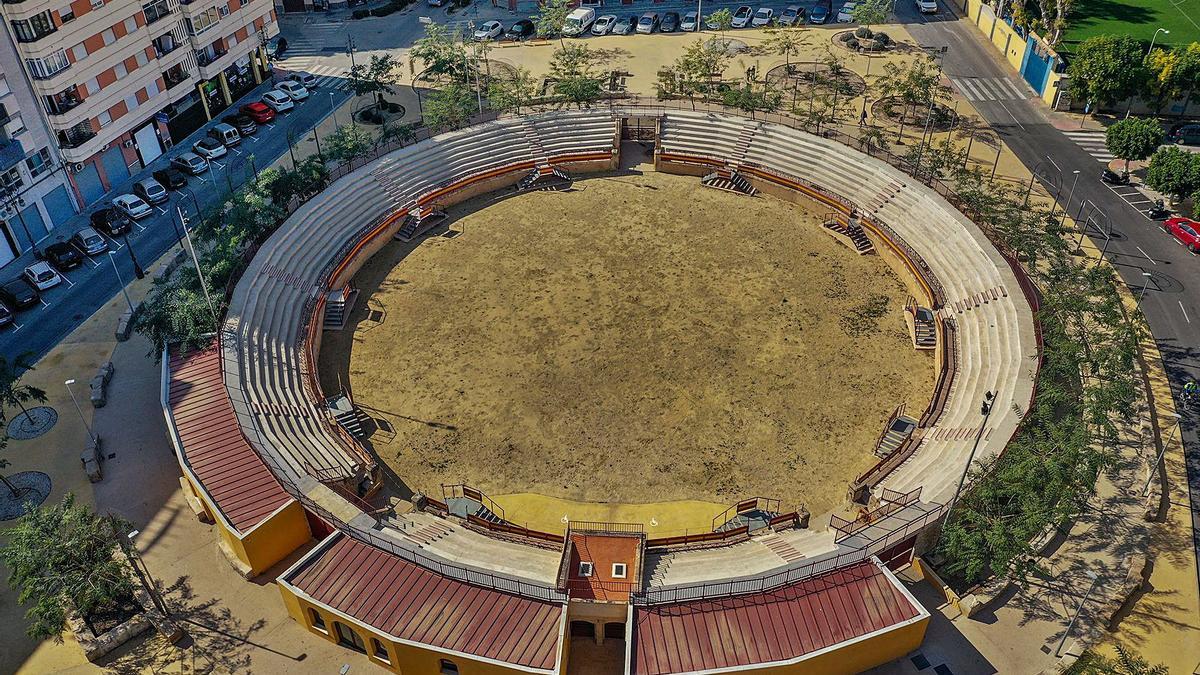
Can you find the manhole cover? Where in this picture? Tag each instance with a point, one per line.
(22, 491)
(33, 423)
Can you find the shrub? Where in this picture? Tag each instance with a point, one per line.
(360, 14)
(863, 32)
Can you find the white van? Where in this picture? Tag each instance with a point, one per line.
(579, 21)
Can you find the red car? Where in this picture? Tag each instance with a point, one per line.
(1185, 231)
(259, 112)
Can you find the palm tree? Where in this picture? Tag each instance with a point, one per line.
(12, 392)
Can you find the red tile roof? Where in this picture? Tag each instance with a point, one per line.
(412, 603)
(778, 625)
(229, 470)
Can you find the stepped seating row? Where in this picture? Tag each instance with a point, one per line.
(997, 343)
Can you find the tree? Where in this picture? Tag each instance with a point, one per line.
(1107, 69)
(177, 313)
(871, 12)
(918, 85)
(347, 143)
(442, 53)
(720, 21)
(401, 133)
(512, 93)
(1174, 73)
(750, 97)
(64, 558)
(450, 107)
(4, 464)
(12, 392)
(785, 43)
(701, 62)
(572, 68)
(374, 77)
(1133, 139)
(1174, 172)
(549, 23)
(1053, 18)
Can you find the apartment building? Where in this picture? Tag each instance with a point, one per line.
(121, 81)
(34, 196)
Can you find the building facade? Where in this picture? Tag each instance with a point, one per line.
(34, 192)
(121, 81)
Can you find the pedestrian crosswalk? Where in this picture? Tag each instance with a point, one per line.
(1092, 143)
(989, 88)
(315, 38)
(328, 77)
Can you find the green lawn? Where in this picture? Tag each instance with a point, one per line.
(1139, 18)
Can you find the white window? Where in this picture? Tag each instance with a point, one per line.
(131, 102)
(202, 22)
(104, 119)
(142, 59)
(231, 41)
(38, 162)
(5, 90)
(109, 37)
(619, 570)
(93, 85)
(223, 10)
(585, 569)
(79, 52)
(14, 126)
(120, 70)
(130, 25)
(97, 4)
(48, 66)
(152, 90)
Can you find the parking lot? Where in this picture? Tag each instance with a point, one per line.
(88, 286)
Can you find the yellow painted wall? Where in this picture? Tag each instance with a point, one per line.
(859, 656)
(414, 660)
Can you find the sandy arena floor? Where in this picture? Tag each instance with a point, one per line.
(638, 339)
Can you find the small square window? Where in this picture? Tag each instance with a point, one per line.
(120, 70)
(66, 16)
(104, 119)
(130, 25)
(108, 36)
(79, 51)
(379, 650)
(318, 621)
(619, 570)
(585, 569)
(97, 4)
(448, 667)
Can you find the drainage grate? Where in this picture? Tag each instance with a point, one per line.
(943, 670)
(920, 662)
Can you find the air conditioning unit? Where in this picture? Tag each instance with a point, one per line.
(76, 168)
(127, 143)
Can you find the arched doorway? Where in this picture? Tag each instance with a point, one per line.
(583, 629)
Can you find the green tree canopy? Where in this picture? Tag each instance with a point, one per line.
(720, 20)
(1107, 69)
(871, 12)
(1174, 172)
(450, 107)
(785, 43)
(573, 68)
(1133, 139)
(442, 53)
(347, 142)
(374, 77)
(64, 558)
(12, 392)
(512, 93)
(550, 21)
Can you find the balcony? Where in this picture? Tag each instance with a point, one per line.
(77, 135)
(62, 102)
(175, 77)
(165, 44)
(209, 56)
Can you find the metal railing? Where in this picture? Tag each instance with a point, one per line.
(763, 504)
(462, 490)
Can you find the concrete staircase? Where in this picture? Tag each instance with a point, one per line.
(729, 181)
(884, 196)
(781, 547)
(849, 232)
(338, 304)
(348, 416)
(419, 221)
(897, 431)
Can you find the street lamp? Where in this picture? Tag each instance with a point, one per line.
(121, 281)
(332, 110)
(985, 409)
(1070, 196)
(1094, 577)
(1157, 462)
(1145, 282)
(1164, 31)
(79, 410)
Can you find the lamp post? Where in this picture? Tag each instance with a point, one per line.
(1157, 462)
(121, 281)
(196, 261)
(129, 548)
(1145, 282)
(985, 409)
(1070, 195)
(79, 410)
(332, 110)
(1095, 578)
(1164, 31)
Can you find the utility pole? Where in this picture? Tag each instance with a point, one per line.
(985, 409)
(196, 261)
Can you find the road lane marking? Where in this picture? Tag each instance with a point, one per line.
(1139, 248)
(1182, 309)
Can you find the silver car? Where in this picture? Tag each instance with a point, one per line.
(89, 241)
(151, 191)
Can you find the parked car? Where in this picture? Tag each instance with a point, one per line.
(603, 24)
(306, 80)
(490, 30)
(190, 162)
(670, 23)
(278, 101)
(225, 134)
(765, 16)
(793, 15)
(6, 315)
(846, 13)
(927, 6)
(521, 30)
(244, 124)
(42, 276)
(89, 241)
(62, 255)
(1113, 178)
(170, 178)
(1185, 134)
(209, 148)
(294, 90)
(436, 3)
(151, 191)
(648, 23)
(625, 25)
(133, 206)
(261, 113)
(112, 221)
(579, 21)
(820, 13)
(690, 23)
(18, 294)
(742, 16)
(1185, 231)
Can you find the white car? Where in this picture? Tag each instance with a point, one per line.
(209, 148)
(690, 23)
(927, 6)
(42, 276)
(278, 101)
(490, 30)
(846, 13)
(763, 17)
(133, 206)
(741, 18)
(603, 24)
(294, 90)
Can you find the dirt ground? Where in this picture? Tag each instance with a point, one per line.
(639, 338)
